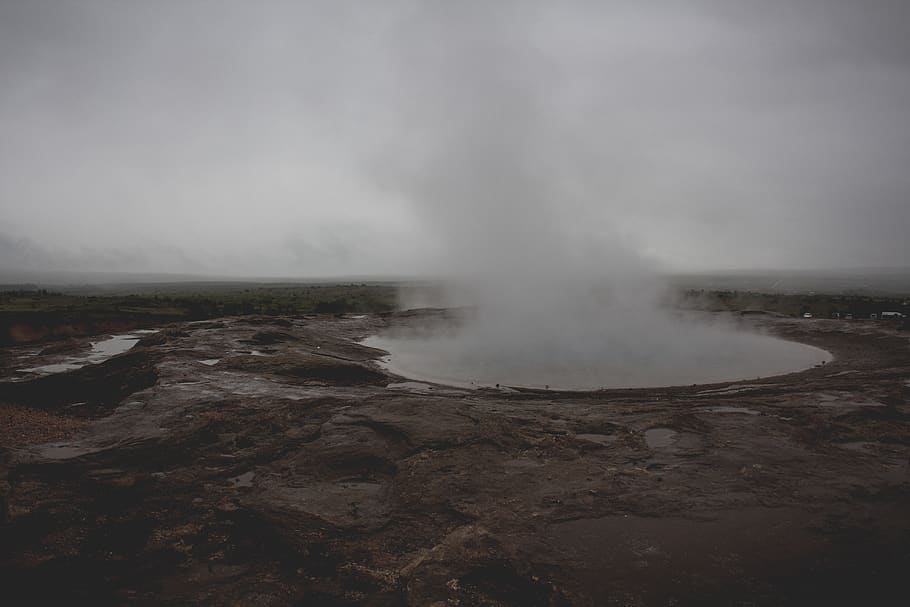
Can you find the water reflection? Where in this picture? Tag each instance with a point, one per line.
(710, 355)
(100, 351)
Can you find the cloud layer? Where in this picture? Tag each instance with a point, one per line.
(305, 139)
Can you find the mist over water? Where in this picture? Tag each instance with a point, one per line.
(464, 360)
(509, 181)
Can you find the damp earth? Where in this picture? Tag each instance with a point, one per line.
(275, 461)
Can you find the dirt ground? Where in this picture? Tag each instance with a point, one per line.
(289, 469)
(27, 425)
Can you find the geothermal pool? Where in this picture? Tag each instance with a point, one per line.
(711, 356)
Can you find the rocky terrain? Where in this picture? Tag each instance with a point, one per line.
(272, 461)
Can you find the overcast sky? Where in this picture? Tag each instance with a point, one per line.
(326, 138)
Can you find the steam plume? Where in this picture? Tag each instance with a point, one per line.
(498, 177)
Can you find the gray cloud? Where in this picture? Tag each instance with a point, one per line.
(286, 138)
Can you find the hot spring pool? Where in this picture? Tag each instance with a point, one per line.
(706, 357)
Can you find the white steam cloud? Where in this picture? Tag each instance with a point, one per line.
(498, 173)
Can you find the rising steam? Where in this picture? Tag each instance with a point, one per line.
(503, 175)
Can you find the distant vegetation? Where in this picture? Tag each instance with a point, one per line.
(28, 315)
(32, 314)
(820, 305)
(888, 282)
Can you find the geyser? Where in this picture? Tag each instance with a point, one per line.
(504, 170)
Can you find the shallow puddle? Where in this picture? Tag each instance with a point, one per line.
(62, 451)
(101, 350)
(414, 386)
(844, 401)
(243, 480)
(660, 438)
(736, 389)
(601, 439)
(55, 368)
(734, 410)
(114, 345)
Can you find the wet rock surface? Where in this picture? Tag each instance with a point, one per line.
(295, 471)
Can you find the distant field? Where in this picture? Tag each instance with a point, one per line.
(33, 314)
(871, 281)
(824, 294)
(819, 305)
(37, 315)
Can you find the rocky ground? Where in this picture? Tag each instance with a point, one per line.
(270, 461)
